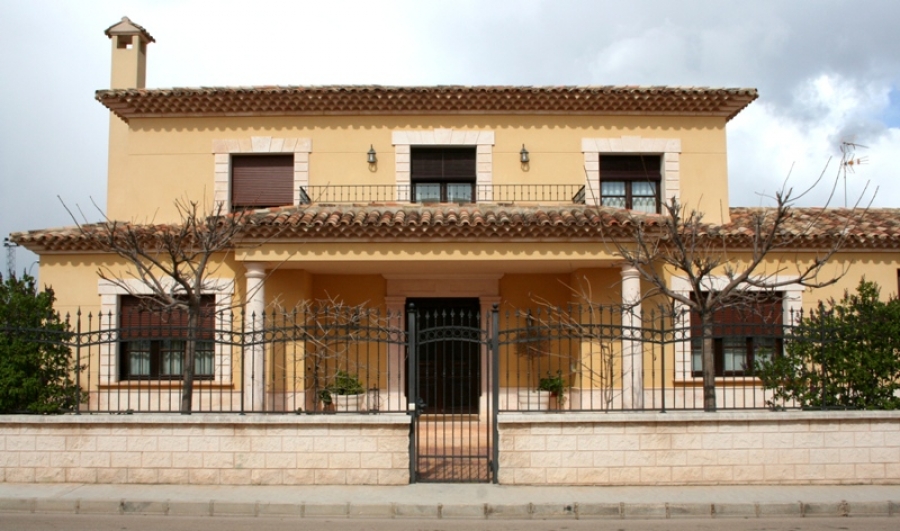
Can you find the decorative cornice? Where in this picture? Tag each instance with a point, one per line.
(374, 99)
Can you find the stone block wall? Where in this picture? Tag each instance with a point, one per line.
(723, 448)
(206, 450)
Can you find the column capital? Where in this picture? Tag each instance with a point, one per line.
(630, 272)
(255, 270)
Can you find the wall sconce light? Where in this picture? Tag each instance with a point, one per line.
(523, 155)
(370, 156)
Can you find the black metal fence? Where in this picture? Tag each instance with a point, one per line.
(591, 358)
(493, 193)
(339, 359)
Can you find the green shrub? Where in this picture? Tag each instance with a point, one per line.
(344, 384)
(36, 369)
(843, 355)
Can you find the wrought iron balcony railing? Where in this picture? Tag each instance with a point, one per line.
(435, 193)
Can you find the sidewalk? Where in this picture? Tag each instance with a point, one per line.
(476, 501)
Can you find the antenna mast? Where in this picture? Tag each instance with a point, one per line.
(10, 257)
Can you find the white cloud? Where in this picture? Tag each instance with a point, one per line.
(766, 144)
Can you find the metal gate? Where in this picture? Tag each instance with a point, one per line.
(451, 379)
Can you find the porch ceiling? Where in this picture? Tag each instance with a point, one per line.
(433, 257)
(443, 267)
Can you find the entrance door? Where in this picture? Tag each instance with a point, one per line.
(451, 438)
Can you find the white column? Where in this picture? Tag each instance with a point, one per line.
(396, 315)
(632, 349)
(254, 356)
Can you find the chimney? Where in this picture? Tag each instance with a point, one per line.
(129, 54)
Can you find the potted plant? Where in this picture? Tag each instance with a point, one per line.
(345, 392)
(555, 385)
(532, 346)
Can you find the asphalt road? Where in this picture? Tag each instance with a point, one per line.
(68, 522)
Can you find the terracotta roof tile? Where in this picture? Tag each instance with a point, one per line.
(374, 99)
(810, 227)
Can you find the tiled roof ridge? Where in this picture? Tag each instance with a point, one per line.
(425, 99)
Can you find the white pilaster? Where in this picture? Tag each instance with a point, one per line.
(632, 349)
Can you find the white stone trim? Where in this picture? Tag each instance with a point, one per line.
(668, 148)
(482, 140)
(792, 303)
(110, 295)
(223, 149)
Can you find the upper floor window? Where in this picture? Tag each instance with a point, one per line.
(153, 340)
(261, 181)
(742, 335)
(631, 182)
(444, 174)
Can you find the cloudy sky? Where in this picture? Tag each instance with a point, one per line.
(827, 72)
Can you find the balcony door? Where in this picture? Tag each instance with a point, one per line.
(443, 174)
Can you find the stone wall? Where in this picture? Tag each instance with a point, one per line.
(700, 448)
(679, 448)
(206, 449)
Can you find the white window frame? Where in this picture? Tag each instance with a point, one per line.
(481, 140)
(792, 303)
(668, 148)
(110, 306)
(223, 149)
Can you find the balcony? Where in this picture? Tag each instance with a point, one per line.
(461, 194)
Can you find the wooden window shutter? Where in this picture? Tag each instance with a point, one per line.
(141, 318)
(630, 167)
(752, 318)
(259, 181)
(443, 164)
(427, 164)
(459, 164)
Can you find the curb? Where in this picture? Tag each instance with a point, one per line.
(529, 511)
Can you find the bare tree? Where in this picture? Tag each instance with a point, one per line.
(175, 262)
(681, 242)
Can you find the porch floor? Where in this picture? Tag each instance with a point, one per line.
(453, 449)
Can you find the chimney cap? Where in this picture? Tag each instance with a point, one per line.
(127, 27)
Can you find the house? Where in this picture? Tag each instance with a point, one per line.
(406, 201)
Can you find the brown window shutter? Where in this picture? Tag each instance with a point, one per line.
(259, 181)
(141, 318)
(459, 164)
(442, 164)
(630, 167)
(427, 164)
(748, 319)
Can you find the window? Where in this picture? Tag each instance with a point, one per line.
(742, 335)
(153, 340)
(630, 181)
(261, 181)
(443, 175)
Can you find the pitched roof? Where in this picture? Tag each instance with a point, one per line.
(807, 227)
(374, 99)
